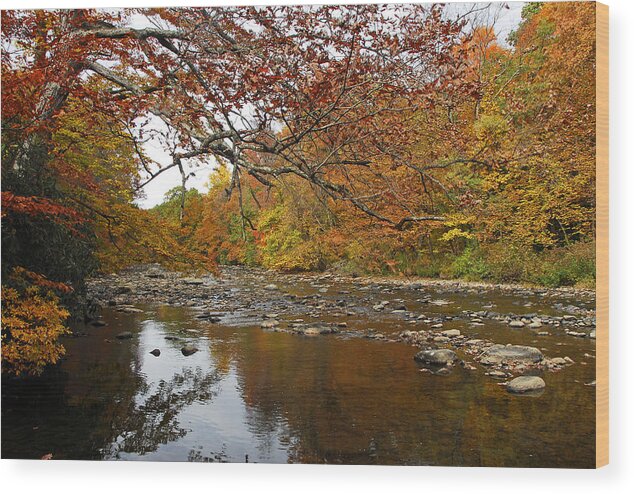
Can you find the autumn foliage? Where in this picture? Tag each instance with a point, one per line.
(32, 322)
(496, 184)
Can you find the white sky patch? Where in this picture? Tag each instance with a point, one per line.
(154, 192)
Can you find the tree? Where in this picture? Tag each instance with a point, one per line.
(223, 82)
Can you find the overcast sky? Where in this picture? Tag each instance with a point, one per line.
(506, 20)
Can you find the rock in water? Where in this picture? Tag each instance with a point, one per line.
(156, 352)
(498, 374)
(193, 281)
(188, 350)
(451, 333)
(443, 371)
(559, 361)
(436, 357)
(497, 354)
(130, 310)
(270, 287)
(441, 339)
(516, 324)
(126, 335)
(98, 323)
(525, 384)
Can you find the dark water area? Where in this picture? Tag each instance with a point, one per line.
(263, 396)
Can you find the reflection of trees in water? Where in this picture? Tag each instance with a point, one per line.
(196, 455)
(224, 353)
(71, 409)
(155, 421)
(323, 400)
(332, 401)
(269, 428)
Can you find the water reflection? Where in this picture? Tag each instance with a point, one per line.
(144, 427)
(250, 395)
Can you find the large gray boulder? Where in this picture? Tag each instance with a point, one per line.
(496, 354)
(436, 357)
(525, 384)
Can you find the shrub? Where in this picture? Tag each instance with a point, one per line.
(32, 322)
(569, 266)
(470, 265)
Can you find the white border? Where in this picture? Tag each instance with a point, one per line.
(48, 477)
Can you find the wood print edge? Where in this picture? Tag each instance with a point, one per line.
(602, 235)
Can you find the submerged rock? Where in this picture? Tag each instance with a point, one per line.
(126, 335)
(525, 384)
(130, 310)
(316, 330)
(443, 371)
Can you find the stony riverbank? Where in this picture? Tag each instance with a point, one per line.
(316, 305)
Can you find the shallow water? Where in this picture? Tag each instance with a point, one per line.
(260, 396)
